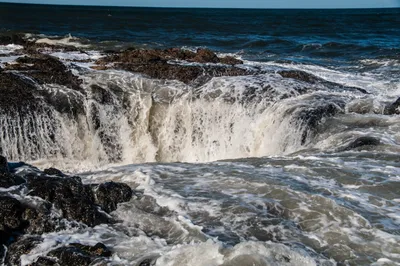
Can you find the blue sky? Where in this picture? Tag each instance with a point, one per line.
(228, 3)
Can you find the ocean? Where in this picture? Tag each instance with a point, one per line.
(296, 163)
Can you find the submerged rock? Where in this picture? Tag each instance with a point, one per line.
(361, 142)
(393, 109)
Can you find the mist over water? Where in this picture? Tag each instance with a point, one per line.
(261, 169)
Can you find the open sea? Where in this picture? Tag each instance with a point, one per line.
(277, 178)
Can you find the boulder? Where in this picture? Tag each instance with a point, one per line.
(205, 56)
(108, 195)
(20, 247)
(68, 195)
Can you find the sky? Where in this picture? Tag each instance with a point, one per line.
(227, 3)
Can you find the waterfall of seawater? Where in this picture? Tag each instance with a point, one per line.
(131, 119)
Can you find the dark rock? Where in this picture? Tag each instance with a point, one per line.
(45, 261)
(68, 195)
(311, 117)
(2, 254)
(46, 69)
(361, 142)
(149, 205)
(12, 38)
(146, 262)
(108, 195)
(22, 246)
(205, 56)
(16, 93)
(8, 180)
(39, 220)
(230, 60)
(77, 254)
(298, 75)
(393, 109)
(53, 171)
(11, 211)
(3, 165)
(154, 63)
(97, 250)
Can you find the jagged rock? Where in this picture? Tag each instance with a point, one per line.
(205, 56)
(11, 211)
(361, 142)
(39, 220)
(310, 118)
(230, 60)
(154, 63)
(20, 247)
(19, 93)
(68, 195)
(393, 109)
(53, 171)
(45, 261)
(16, 92)
(46, 69)
(77, 254)
(108, 195)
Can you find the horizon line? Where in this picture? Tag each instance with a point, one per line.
(200, 7)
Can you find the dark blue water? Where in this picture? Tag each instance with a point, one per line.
(322, 36)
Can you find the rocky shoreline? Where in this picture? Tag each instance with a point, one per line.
(36, 202)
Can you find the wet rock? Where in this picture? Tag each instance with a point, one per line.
(3, 165)
(53, 171)
(393, 109)
(68, 195)
(77, 254)
(312, 117)
(298, 75)
(12, 38)
(149, 205)
(230, 60)
(39, 220)
(8, 180)
(108, 195)
(16, 93)
(11, 211)
(205, 56)
(46, 69)
(20, 247)
(45, 261)
(312, 79)
(155, 64)
(361, 142)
